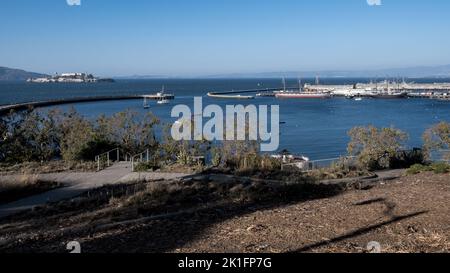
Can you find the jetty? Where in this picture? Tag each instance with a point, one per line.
(241, 97)
(238, 94)
(5, 109)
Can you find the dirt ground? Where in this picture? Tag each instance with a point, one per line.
(409, 214)
(10, 192)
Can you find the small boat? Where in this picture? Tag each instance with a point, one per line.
(358, 99)
(162, 97)
(146, 105)
(163, 101)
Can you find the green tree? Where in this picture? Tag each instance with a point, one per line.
(376, 148)
(76, 135)
(437, 138)
(129, 131)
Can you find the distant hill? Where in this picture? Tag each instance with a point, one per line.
(408, 72)
(142, 77)
(10, 74)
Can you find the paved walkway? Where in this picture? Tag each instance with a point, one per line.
(78, 183)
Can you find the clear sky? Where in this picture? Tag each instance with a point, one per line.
(204, 37)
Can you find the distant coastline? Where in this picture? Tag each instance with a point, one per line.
(419, 72)
(69, 78)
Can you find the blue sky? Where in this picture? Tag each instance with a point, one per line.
(204, 37)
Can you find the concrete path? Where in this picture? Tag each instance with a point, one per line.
(76, 184)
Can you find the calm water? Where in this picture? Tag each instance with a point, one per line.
(316, 128)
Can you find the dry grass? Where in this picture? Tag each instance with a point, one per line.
(179, 168)
(26, 185)
(228, 214)
(46, 167)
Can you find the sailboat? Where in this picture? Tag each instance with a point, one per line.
(146, 105)
(300, 94)
(162, 99)
(388, 93)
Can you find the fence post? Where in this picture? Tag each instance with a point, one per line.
(107, 156)
(132, 164)
(98, 164)
(148, 155)
(118, 155)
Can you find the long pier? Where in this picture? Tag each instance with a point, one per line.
(236, 94)
(5, 109)
(407, 87)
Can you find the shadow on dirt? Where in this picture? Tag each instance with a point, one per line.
(202, 208)
(357, 233)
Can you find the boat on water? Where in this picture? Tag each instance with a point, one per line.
(163, 98)
(390, 95)
(160, 98)
(300, 93)
(163, 101)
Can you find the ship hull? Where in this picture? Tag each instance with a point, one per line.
(391, 96)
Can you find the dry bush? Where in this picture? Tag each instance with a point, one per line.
(437, 138)
(375, 148)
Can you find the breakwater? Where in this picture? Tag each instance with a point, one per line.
(5, 109)
(237, 94)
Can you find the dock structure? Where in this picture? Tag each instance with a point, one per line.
(238, 94)
(5, 109)
(439, 91)
(408, 87)
(241, 97)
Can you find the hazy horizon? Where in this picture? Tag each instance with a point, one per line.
(200, 38)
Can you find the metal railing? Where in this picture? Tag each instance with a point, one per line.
(107, 157)
(139, 158)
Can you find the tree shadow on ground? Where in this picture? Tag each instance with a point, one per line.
(357, 232)
(176, 230)
(167, 234)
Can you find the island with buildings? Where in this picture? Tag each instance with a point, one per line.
(69, 78)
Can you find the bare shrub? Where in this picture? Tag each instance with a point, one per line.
(437, 138)
(375, 148)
